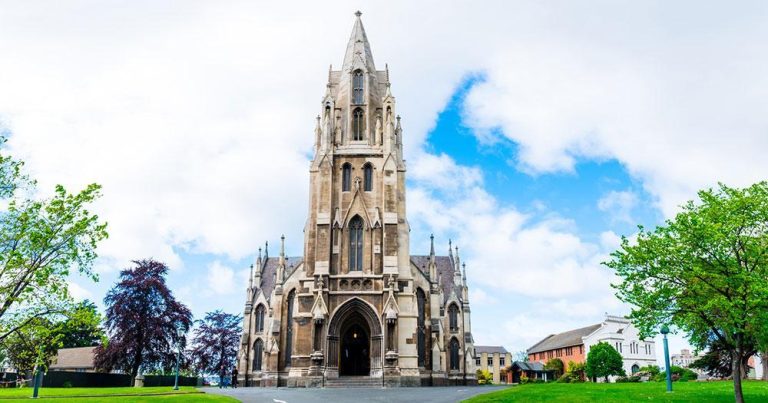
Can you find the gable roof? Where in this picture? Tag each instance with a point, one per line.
(269, 269)
(565, 339)
(78, 357)
(530, 366)
(445, 271)
(490, 349)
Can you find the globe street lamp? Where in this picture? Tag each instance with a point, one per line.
(180, 333)
(665, 331)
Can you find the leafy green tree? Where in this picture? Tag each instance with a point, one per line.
(705, 272)
(82, 328)
(38, 341)
(603, 361)
(557, 365)
(41, 241)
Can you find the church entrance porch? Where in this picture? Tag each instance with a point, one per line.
(355, 341)
(355, 351)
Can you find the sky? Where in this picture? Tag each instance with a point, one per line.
(536, 133)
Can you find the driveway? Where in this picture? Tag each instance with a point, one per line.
(388, 395)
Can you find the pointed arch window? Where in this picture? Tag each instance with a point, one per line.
(346, 177)
(260, 318)
(421, 341)
(453, 318)
(358, 125)
(368, 176)
(357, 87)
(356, 244)
(289, 328)
(258, 352)
(454, 349)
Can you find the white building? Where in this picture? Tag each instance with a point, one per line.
(684, 359)
(625, 338)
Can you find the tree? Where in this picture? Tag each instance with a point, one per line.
(521, 355)
(37, 342)
(215, 342)
(603, 360)
(41, 241)
(142, 319)
(557, 365)
(705, 272)
(83, 327)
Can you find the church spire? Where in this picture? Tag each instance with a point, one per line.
(358, 48)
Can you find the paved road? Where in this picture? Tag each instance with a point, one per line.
(388, 395)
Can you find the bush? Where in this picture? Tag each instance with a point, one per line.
(678, 374)
(651, 370)
(523, 379)
(569, 377)
(626, 379)
(484, 377)
(66, 384)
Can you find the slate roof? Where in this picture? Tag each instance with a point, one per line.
(529, 366)
(490, 349)
(565, 339)
(445, 268)
(269, 268)
(78, 357)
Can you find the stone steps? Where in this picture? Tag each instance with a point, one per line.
(353, 382)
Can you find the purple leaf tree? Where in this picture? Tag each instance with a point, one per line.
(142, 320)
(215, 342)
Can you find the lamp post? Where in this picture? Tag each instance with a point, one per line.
(180, 334)
(37, 380)
(665, 331)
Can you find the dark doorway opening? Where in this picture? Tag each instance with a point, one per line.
(355, 351)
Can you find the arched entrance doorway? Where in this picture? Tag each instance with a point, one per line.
(354, 341)
(355, 350)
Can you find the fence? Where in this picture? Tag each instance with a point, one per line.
(58, 379)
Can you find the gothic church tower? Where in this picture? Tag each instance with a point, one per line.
(357, 303)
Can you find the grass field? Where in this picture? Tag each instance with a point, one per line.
(112, 395)
(721, 391)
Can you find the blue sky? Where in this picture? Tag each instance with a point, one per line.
(536, 134)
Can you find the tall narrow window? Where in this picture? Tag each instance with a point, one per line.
(454, 347)
(260, 318)
(356, 244)
(258, 351)
(358, 125)
(368, 176)
(420, 327)
(453, 318)
(357, 87)
(289, 328)
(346, 177)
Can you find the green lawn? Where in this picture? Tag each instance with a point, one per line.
(92, 395)
(721, 391)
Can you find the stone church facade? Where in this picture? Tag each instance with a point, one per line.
(357, 304)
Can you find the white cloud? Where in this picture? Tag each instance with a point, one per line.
(221, 279)
(78, 292)
(619, 205)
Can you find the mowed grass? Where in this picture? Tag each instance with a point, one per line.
(720, 391)
(112, 395)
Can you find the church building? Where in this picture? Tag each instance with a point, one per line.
(357, 308)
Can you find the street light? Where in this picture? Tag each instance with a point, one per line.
(180, 333)
(665, 331)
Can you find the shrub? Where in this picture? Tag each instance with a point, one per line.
(523, 379)
(626, 379)
(484, 377)
(557, 365)
(66, 384)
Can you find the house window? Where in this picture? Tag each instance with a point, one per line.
(368, 177)
(260, 318)
(477, 361)
(258, 352)
(490, 362)
(357, 87)
(454, 348)
(356, 244)
(581, 349)
(569, 351)
(358, 125)
(501, 362)
(453, 318)
(346, 177)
